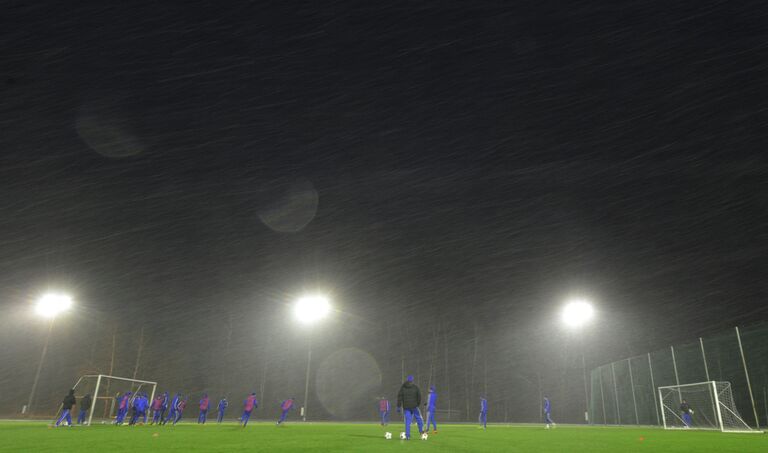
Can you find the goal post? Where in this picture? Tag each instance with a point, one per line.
(702, 405)
(103, 389)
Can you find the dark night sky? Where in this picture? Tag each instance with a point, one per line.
(476, 162)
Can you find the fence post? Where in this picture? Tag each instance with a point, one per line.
(706, 371)
(677, 380)
(653, 390)
(632, 383)
(602, 395)
(749, 385)
(616, 394)
(704, 358)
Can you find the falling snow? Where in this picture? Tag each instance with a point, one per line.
(448, 174)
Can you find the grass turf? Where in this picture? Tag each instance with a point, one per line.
(334, 437)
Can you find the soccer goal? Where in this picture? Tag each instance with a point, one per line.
(105, 389)
(703, 405)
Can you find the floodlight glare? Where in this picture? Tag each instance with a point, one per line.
(310, 309)
(50, 305)
(577, 313)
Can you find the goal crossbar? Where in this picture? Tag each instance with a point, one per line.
(118, 378)
(675, 387)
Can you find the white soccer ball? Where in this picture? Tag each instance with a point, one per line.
(402, 436)
(424, 436)
(387, 436)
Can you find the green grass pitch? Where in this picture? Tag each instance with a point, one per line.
(338, 437)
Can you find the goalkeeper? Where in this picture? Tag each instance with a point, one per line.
(686, 411)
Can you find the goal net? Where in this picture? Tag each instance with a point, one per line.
(703, 405)
(105, 390)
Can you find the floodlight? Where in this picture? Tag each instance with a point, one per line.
(577, 313)
(310, 309)
(51, 304)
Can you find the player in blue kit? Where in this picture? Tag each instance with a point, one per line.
(222, 407)
(173, 413)
(483, 412)
(548, 413)
(431, 406)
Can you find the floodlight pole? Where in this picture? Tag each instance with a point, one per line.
(584, 374)
(306, 383)
(586, 391)
(704, 358)
(39, 368)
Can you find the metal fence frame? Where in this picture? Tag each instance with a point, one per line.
(641, 395)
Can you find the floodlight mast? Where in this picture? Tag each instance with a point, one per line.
(48, 306)
(310, 310)
(576, 314)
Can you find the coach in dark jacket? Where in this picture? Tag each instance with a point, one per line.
(409, 399)
(66, 407)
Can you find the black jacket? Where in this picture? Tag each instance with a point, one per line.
(409, 396)
(85, 403)
(69, 401)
